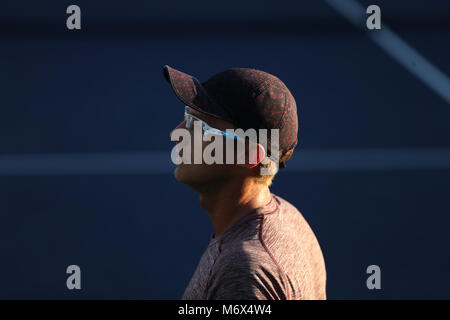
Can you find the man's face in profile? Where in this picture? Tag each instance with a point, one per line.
(201, 175)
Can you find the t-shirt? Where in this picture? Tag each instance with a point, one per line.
(270, 253)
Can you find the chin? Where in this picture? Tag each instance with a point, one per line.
(185, 174)
(178, 173)
(195, 176)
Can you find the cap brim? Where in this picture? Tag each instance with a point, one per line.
(191, 92)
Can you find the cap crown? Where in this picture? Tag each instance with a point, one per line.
(256, 99)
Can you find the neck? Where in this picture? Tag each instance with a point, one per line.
(233, 200)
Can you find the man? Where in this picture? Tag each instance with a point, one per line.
(262, 247)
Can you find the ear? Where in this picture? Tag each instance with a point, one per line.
(256, 154)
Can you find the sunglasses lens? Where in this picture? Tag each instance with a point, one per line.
(189, 122)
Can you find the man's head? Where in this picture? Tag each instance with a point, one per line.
(238, 98)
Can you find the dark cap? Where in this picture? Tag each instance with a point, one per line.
(247, 98)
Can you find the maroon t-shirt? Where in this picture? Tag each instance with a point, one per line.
(270, 253)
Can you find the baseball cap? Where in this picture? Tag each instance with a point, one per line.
(247, 98)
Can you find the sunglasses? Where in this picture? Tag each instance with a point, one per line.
(207, 129)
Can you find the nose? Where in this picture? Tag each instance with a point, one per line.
(181, 125)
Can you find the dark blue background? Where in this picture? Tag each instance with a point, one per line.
(101, 89)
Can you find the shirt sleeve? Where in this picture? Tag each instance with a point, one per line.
(245, 277)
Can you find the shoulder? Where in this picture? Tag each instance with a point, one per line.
(285, 205)
(294, 247)
(287, 222)
(246, 271)
(245, 255)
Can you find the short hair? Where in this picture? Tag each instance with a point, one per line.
(267, 179)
